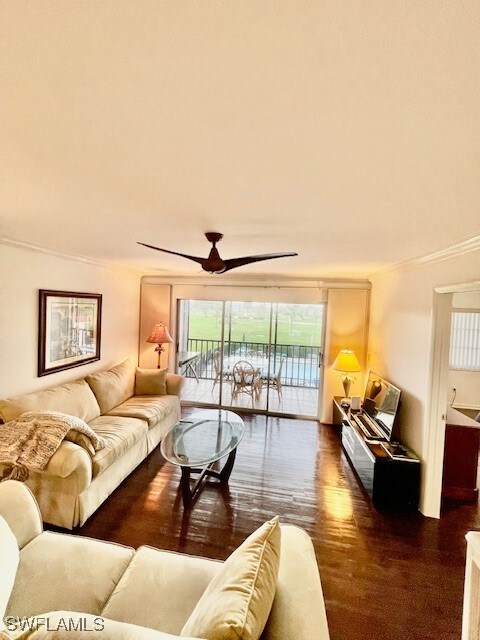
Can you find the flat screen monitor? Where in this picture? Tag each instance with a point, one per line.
(381, 401)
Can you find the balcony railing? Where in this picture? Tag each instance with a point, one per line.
(300, 368)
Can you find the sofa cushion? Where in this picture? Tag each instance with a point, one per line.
(151, 382)
(149, 408)
(160, 589)
(9, 556)
(65, 572)
(114, 386)
(120, 434)
(74, 398)
(237, 602)
(72, 625)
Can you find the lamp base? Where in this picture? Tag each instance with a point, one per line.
(159, 350)
(347, 382)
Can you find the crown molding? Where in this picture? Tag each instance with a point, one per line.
(461, 287)
(260, 282)
(467, 245)
(66, 256)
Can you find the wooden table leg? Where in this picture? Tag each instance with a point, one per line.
(189, 495)
(186, 492)
(225, 473)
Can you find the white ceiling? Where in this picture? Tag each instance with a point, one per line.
(347, 131)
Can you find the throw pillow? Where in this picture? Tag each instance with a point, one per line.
(237, 602)
(9, 557)
(151, 382)
(114, 386)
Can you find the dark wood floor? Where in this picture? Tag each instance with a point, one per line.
(384, 576)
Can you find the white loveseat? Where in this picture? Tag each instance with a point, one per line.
(137, 595)
(471, 598)
(123, 407)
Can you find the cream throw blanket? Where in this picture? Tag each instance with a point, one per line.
(30, 441)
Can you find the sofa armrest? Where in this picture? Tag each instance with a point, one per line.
(70, 457)
(20, 510)
(298, 609)
(174, 384)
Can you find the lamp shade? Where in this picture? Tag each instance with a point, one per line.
(159, 334)
(347, 362)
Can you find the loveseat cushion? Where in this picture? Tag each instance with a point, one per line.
(120, 434)
(20, 510)
(149, 408)
(65, 572)
(114, 386)
(72, 625)
(160, 589)
(9, 556)
(237, 602)
(74, 398)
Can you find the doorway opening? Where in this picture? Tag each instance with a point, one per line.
(265, 357)
(453, 400)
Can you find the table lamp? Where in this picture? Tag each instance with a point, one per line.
(160, 336)
(347, 363)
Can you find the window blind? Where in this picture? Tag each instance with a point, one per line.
(465, 340)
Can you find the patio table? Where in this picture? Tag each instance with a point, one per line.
(260, 364)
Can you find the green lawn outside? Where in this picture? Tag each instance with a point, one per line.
(251, 329)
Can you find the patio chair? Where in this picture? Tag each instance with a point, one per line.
(246, 379)
(274, 379)
(217, 363)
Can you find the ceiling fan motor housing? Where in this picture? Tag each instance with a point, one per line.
(213, 236)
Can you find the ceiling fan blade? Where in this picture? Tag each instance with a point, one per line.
(175, 253)
(240, 262)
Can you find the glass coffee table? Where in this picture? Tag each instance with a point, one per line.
(197, 443)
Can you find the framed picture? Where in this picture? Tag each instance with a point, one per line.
(69, 330)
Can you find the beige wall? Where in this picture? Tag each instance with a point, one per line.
(467, 384)
(401, 341)
(154, 308)
(23, 272)
(347, 328)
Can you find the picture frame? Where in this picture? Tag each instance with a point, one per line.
(69, 330)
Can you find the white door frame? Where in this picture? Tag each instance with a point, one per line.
(430, 501)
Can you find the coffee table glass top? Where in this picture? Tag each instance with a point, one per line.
(202, 438)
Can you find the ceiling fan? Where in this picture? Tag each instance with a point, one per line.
(215, 264)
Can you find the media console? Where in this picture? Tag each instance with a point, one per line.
(389, 472)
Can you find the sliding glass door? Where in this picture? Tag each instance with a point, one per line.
(200, 339)
(297, 339)
(258, 356)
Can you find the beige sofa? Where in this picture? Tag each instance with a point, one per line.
(76, 481)
(137, 595)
